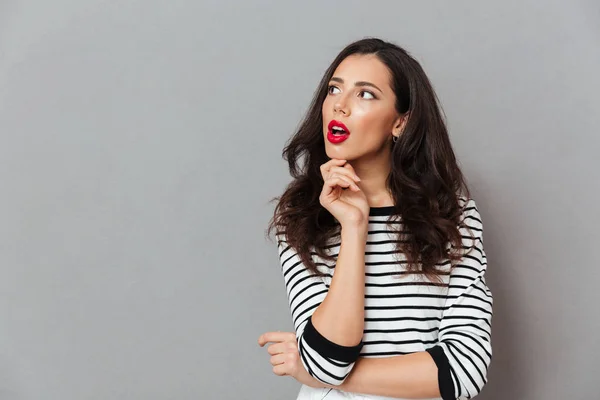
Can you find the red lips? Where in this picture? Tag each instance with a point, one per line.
(337, 138)
(333, 123)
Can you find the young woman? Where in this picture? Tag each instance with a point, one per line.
(380, 242)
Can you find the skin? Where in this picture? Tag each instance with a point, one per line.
(372, 119)
(349, 207)
(411, 376)
(362, 164)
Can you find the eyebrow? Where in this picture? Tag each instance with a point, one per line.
(357, 83)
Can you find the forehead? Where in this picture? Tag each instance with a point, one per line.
(364, 67)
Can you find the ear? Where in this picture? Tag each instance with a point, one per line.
(400, 123)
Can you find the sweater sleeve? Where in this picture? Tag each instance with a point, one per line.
(323, 359)
(464, 350)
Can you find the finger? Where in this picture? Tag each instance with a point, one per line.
(281, 369)
(331, 184)
(277, 348)
(345, 182)
(287, 366)
(334, 161)
(275, 337)
(328, 187)
(350, 182)
(345, 172)
(349, 167)
(278, 359)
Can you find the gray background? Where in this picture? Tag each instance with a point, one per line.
(141, 142)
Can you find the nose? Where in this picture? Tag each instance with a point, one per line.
(340, 106)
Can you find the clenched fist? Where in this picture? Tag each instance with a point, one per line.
(285, 357)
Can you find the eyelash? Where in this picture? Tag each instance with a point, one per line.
(367, 91)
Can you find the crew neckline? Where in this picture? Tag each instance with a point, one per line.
(381, 211)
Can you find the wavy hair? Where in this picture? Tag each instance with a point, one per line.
(424, 180)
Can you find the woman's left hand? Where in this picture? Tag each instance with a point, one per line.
(285, 357)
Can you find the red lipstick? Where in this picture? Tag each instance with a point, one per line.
(340, 135)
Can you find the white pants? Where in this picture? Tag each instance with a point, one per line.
(310, 393)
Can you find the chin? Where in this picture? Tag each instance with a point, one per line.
(336, 153)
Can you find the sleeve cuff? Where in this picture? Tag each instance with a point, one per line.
(327, 348)
(445, 383)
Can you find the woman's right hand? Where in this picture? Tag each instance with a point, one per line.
(341, 195)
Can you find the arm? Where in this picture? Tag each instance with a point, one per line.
(411, 376)
(457, 365)
(329, 323)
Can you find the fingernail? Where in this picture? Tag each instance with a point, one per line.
(357, 178)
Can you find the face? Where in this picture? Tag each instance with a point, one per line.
(360, 97)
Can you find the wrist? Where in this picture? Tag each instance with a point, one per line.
(315, 383)
(356, 229)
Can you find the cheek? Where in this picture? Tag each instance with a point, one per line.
(325, 115)
(326, 108)
(372, 123)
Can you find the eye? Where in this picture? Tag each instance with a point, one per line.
(329, 88)
(362, 91)
(366, 91)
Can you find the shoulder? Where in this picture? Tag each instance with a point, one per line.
(282, 243)
(469, 212)
(470, 221)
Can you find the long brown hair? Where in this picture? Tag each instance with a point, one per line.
(425, 180)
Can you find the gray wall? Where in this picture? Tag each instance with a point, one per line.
(141, 142)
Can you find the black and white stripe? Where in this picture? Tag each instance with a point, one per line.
(404, 313)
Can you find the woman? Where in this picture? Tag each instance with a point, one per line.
(380, 243)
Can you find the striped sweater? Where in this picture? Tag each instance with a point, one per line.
(406, 315)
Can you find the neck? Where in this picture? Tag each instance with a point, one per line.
(373, 173)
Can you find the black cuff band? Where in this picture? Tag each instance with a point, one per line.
(327, 348)
(445, 383)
